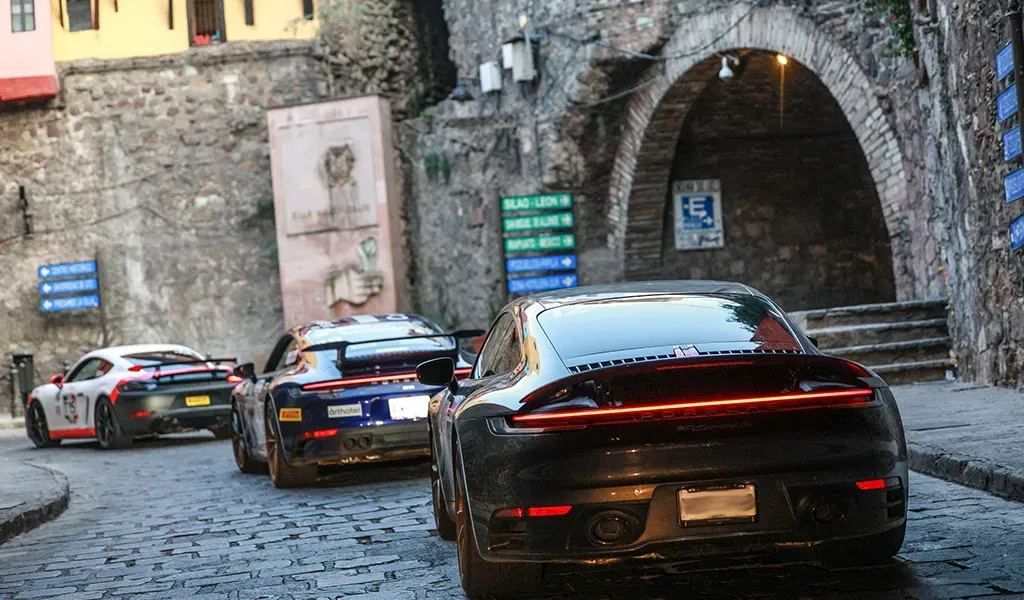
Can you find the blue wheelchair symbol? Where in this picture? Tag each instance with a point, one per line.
(698, 213)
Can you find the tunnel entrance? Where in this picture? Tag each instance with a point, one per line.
(800, 215)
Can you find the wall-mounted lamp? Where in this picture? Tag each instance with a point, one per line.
(461, 92)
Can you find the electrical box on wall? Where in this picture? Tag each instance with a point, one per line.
(522, 61)
(507, 53)
(490, 77)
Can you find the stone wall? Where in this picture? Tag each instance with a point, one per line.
(159, 168)
(803, 222)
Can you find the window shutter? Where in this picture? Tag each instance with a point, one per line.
(307, 9)
(249, 17)
(170, 14)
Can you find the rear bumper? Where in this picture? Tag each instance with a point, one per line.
(158, 413)
(394, 441)
(633, 474)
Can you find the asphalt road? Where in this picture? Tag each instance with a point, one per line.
(174, 518)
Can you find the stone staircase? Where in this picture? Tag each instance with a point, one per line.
(904, 342)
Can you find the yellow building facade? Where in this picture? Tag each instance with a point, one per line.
(108, 29)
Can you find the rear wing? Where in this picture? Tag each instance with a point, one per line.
(174, 363)
(342, 347)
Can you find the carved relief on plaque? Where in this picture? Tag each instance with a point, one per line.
(350, 208)
(354, 284)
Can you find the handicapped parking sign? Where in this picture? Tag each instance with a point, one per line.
(698, 214)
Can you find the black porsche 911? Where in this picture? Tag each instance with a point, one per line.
(672, 419)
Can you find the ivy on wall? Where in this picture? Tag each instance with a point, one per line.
(900, 17)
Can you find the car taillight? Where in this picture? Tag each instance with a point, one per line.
(234, 379)
(871, 484)
(356, 381)
(463, 373)
(533, 511)
(323, 433)
(694, 408)
(137, 385)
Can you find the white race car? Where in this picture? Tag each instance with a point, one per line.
(117, 394)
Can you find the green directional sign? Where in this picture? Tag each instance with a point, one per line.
(549, 221)
(541, 202)
(540, 243)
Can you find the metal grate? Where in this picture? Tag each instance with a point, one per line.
(641, 359)
(207, 22)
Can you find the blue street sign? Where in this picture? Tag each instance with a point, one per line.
(1004, 62)
(1017, 233)
(72, 303)
(1013, 185)
(1012, 144)
(1007, 103)
(563, 262)
(69, 286)
(542, 284)
(86, 267)
(698, 213)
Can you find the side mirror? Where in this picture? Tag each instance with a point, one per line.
(57, 380)
(246, 371)
(440, 371)
(813, 340)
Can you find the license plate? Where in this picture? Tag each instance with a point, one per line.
(409, 407)
(344, 410)
(699, 506)
(197, 400)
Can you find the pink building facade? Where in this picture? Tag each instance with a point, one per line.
(27, 70)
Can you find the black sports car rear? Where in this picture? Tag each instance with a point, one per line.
(661, 419)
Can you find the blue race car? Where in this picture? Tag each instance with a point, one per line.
(341, 392)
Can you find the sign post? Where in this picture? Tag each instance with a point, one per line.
(538, 239)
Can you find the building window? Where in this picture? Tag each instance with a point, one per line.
(207, 22)
(79, 15)
(23, 15)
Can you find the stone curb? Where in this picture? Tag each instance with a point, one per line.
(51, 503)
(1005, 482)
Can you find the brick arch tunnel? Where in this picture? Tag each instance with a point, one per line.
(812, 204)
(801, 218)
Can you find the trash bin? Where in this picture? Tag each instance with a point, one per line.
(23, 362)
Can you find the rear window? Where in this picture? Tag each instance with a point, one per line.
(379, 331)
(709, 323)
(151, 359)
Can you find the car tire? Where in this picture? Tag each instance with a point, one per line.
(36, 427)
(442, 520)
(282, 474)
(481, 579)
(240, 448)
(108, 429)
(869, 550)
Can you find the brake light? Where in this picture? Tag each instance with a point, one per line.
(354, 381)
(834, 398)
(509, 513)
(548, 511)
(323, 433)
(234, 379)
(871, 484)
(140, 414)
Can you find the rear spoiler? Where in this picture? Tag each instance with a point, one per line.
(342, 347)
(171, 363)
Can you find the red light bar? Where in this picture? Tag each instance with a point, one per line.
(140, 414)
(463, 372)
(234, 379)
(509, 513)
(548, 511)
(323, 433)
(342, 383)
(587, 414)
(871, 484)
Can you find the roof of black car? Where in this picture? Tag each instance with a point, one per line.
(612, 291)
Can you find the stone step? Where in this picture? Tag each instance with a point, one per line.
(910, 310)
(913, 372)
(936, 348)
(878, 333)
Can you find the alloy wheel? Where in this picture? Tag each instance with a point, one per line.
(37, 429)
(104, 424)
(238, 437)
(272, 445)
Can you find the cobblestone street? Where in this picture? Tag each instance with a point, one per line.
(174, 518)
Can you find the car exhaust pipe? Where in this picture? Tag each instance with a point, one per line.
(827, 510)
(612, 527)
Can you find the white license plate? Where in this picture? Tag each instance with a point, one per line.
(703, 505)
(409, 407)
(344, 410)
